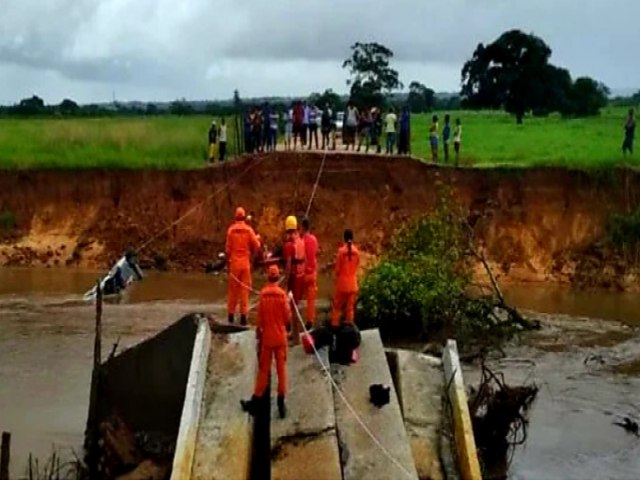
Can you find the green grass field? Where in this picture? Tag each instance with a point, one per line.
(493, 138)
(489, 139)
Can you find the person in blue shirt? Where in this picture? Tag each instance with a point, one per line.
(446, 136)
(404, 138)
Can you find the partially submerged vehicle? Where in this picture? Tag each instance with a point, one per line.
(122, 274)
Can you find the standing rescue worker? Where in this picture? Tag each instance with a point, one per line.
(346, 290)
(241, 244)
(310, 271)
(294, 256)
(274, 320)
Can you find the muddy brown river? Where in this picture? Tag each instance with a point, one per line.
(588, 370)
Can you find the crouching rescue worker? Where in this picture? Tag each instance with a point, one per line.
(310, 271)
(294, 256)
(241, 244)
(346, 290)
(274, 321)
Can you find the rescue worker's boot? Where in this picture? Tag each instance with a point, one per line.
(282, 408)
(250, 406)
(231, 318)
(243, 320)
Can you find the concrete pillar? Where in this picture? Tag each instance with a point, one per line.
(304, 444)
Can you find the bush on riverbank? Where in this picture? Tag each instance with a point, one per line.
(420, 288)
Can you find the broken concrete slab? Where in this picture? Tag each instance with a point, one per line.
(420, 382)
(305, 444)
(225, 432)
(361, 456)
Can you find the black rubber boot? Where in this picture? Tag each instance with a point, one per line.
(231, 318)
(243, 320)
(308, 325)
(250, 406)
(282, 408)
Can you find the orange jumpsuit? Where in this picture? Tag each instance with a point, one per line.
(346, 284)
(294, 254)
(311, 275)
(241, 243)
(274, 315)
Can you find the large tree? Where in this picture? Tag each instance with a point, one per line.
(371, 75)
(586, 97)
(328, 97)
(421, 98)
(513, 72)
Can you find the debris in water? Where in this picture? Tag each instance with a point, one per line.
(629, 425)
(499, 415)
(379, 395)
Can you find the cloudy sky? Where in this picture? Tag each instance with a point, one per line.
(202, 49)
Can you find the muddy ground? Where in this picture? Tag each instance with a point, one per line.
(534, 224)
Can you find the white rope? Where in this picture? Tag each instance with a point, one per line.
(315, 186)
(353, 411)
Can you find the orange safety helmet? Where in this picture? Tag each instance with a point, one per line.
(240, 213)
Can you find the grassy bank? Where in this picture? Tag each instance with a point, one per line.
(489, 139)
(493, 138)
(145, 142)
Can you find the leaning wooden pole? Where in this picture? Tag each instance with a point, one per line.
(91, 436)
(5, 455)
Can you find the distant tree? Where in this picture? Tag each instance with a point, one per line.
(180, 107)
(30, 106)
(635, 98)
(512, 72)
(371, 75)
(68, 107)
(237, 101)
(328, 97)
(421, 98)
(586, 97)
(152, 109)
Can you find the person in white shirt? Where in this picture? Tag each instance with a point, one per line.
(457, 139)
(390, 121)
(222, 139)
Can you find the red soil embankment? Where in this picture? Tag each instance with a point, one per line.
(533, 224)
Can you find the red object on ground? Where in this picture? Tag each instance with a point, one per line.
(307, 342)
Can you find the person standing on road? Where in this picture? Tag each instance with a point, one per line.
(288, 128)
(629, 133)
(404, 140)
(446, 136)
(273, 130)
(213, 142)
(350, 126)
(325, 126)
(433, 138)
(364, 127)
(346, 290)
(274, 321)
(310, 271)
(298, 119)
(457, 140)
(390, 122)
(306, 113)
(241, 244)
(256, 126)
(313, 125)
(223, 139)
(376, 129)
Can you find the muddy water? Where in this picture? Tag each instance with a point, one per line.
(46, 338)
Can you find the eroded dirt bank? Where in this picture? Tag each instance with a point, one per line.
(534, 225)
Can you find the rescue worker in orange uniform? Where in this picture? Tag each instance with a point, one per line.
(274, 320)
(310, 271)
(346, 291)
(294, 256)
(241, 244)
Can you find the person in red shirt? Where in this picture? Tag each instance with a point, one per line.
(274, 320)
(310, 271)
(298, 119)
(240, 245)
(346, 291)
(294, 256)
